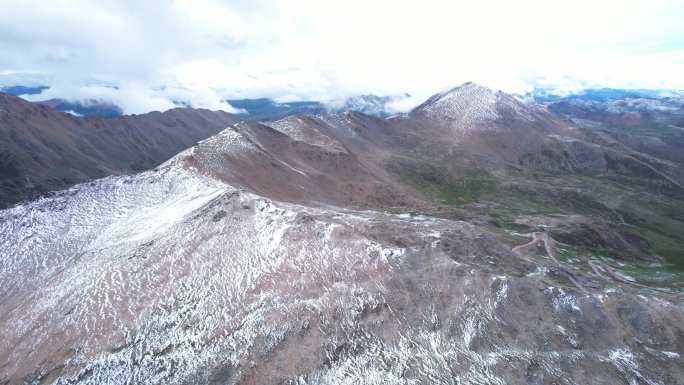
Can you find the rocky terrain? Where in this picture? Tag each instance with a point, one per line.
(475, 240)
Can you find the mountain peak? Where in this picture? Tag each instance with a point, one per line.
(468, 88)
(468, 103)
(472, 86)
(471, 104)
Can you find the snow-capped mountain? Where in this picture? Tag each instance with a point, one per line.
(346, 248)
(471, 104)
(372, 104)
(270, 110)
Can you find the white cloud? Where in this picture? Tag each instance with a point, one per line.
(202, 51)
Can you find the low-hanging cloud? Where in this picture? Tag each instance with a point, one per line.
(156, 54)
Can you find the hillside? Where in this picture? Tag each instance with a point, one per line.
(43, 150)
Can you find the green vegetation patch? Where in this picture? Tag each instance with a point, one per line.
(458, 185)
(664, 244)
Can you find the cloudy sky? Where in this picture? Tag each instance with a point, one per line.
(143, 55)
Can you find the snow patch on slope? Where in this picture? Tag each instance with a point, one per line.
(304, 130)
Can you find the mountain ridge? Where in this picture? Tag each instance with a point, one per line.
(342, 247)
(49, 150)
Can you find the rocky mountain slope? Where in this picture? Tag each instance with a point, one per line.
(43, 150)
(649, 124)
(475, 240)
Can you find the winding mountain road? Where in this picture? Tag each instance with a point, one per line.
(543, 237)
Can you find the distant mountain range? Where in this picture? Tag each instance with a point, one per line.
(88, 108)
(23, 90)
(254, 109)
(267, 109)
(603, 94)
(262, 109)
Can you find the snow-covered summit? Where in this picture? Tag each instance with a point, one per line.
(470, 104)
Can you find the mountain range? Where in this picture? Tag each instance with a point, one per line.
(477, 239)
(248, 109)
